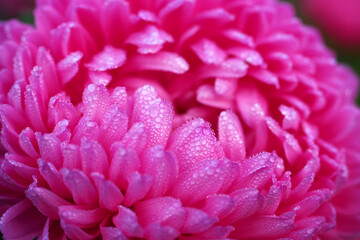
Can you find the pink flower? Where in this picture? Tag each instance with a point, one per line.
(287, 159)
(339, 19)
(111, 168)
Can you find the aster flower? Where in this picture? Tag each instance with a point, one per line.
(290, 101)
(111, 168)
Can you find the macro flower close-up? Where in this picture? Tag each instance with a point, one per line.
(175, 119)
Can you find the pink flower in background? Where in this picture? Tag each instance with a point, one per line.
(339, 19)
(287, 159)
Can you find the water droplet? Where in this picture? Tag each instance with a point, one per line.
(91, 87)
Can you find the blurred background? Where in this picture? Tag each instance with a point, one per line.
(338, 20)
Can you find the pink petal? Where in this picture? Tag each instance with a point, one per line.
(119, 97)
(230, 68)
(46, 18)
(217, 232)
(86, 128)
(109, 194)
(164, 210)
(61, 131)
(69, 66)
(23, 62)
(196, 221)
(225, 87)
(291, 146)
(273, 198)
(307, 228)
(100, 78)
(247, 202)
(202, 179)
(232, 172)
(278, 41)
(80, 217)
(252, 105)
(96, 100)
(127, 222)
(60, 108)
(231, 136)
(220, 14)
(136, 137)
(47, 64)
(138, 187)
(156, 231)
(52, 230)
(88, 16)
(194, 142)
(17, 171)
(291, 118)
(265, 77)
(93, 157)
(311, 202)
(257, 171)
(33, 110)
(161, 61)
(53, 178)
(209, 52)
(248, 55)
(11, 118)
(272, 226)
(45, 201)
(81, 187)
(109, 58)
(115, 14)
(75, 232)
(70, 37)
(218, 205)
(49, 146)
(111, 233)
(156, 114)
(239, 37)
(149, 40)
(162, 166)
(15, 94)
(22, 221)
(206, 94)
(71, 155)
(124, 162)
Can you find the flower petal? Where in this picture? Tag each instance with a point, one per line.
(109, 194)
(22, 221)
(82, 218)
(155, 231)
(93, 157)
(111, 233)
(138, 187)
(162, 166)
(127, 222)
(202, 179)
(231, 136)
(124, 162)
(196, 221)
(193, 143)
(164, 210)
(109, 58)
(83, 191)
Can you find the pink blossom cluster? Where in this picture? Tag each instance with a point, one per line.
(109, 111)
